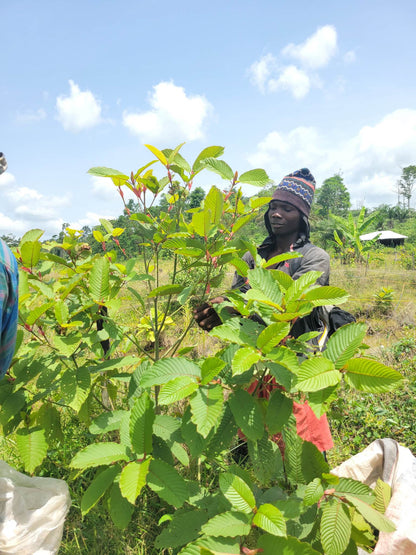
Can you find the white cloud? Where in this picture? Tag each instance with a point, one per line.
(31, 116)
(91, 219)
(173, 115)
(292, 79)
(260, 71)
(370, 161)
(269, 75)
(6, 179)
(317, 50)
(349, 57)
(80, 110)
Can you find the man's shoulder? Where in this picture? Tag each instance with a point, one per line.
(312, 250)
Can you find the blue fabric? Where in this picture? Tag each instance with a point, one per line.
(9, 287)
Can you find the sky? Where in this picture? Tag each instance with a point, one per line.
(281, 85)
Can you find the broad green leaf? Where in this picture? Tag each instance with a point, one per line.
(236, 330)
(247, 414)
(165, 290)
(49, 418)
(206, 407)
(270, 519)
(262, 280)
(257, 177)
(223, 436)
(313, 462)
(177, 389)
(168, 369)
(267, 460)
(240, 265)
(272, 335)
(61, 312)
(209, 152)
(194, 441)
(242, 221)
(201, 222)
(300, 285)
(164, 480)
(97, 488)
(319, 401)
(293, 454)
(244, 359)
(159, 155)
(383, 495)
(258, 202)
(313, 492)
(237, 492)
(372, 516)
(32, 447)
(171, 154)
(326, 295)
(11, 405)
(98, 236)
(371, 376)
(315, 374)
(99, 280)
(335, 528)
(141, 425)
(98, 454)
(119, 508)
(343, 344)
(212, 546)
(31, 235)
(358, 489)
(279, 409)
(67, 345)
(273, 545)
(277, 260)
(76, 386)
(210, 368)
(30, 253)
(133, 479)
(37, 312)
(229, 524)
(107, 422)
(42, 287)
(219, 167)
(183, 527)
(102, 171)
(214, 202)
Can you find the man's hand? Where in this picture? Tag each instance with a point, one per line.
(206, 316)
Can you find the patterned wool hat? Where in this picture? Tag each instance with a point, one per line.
(298, 189)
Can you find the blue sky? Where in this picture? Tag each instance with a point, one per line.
(326, 85)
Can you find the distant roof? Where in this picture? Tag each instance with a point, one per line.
(382, 235)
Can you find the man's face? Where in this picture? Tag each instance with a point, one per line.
(284, 218)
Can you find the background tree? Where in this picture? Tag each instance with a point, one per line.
(332, 197)
(195, 198)
(407, 183)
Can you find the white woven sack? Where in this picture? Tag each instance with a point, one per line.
(395, 465)
(32, 513)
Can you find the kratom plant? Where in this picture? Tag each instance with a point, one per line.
(383, 300)
(170, 421)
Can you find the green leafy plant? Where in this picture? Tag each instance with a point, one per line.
(347, 236)
(156, 420)
(383, 300)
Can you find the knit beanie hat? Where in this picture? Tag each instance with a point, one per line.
(298, 189)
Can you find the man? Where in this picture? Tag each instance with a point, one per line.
(287, 223)
(9, 284)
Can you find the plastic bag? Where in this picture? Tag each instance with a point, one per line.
(395, 465)
(32, 513)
